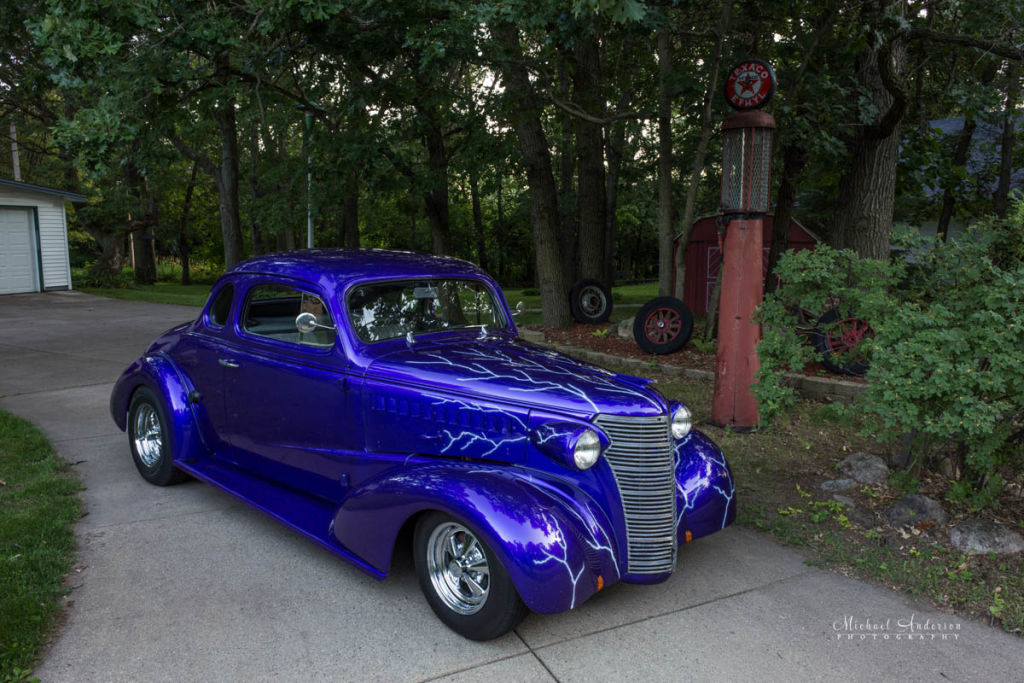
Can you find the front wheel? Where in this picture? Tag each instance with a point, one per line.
(150, 439)
(462, 579)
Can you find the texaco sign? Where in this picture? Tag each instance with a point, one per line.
(750, 85)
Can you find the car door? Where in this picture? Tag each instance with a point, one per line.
(287, 394)
(199, 357)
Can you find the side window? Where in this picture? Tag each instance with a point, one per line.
(270, 311)
(221, 306)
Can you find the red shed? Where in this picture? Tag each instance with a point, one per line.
(703, 259)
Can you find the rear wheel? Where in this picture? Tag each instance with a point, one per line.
(462, 579)
(149, 436)
(663, 325)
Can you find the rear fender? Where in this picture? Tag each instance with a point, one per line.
(553, 540)
(159, 374)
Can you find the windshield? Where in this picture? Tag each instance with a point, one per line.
(387, 310)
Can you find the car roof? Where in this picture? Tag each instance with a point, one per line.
(341, 266)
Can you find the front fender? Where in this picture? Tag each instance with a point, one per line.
(705, 489)
(552, 539)
(159, 374)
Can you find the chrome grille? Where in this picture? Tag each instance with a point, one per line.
(641, 458)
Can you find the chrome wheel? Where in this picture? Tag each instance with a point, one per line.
(148, 435)
(457, 567)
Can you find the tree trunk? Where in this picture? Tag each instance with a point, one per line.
(665, 267)
(960, 154)
(526, 111)
(707, 129)
(1010, 116)
(867, 187)
(478, 221)
(590, 150)
(348, 228)
(254, 188)
(614, 152)
(140, 225)
(437, 194)
(793, 159)
(227, 185)
(184, 249)
(615, 143)
(502, 236)
(567, 199)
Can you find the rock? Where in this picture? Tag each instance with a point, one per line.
(913, 509)
(625, 329)
(865, 468)
(852, 512)
(838, 485)
(978, 536)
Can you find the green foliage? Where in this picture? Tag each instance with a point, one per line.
(945, 362)
(38, 506)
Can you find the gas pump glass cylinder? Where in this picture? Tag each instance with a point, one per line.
(746, 162)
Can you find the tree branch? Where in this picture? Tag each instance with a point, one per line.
(987, 44)
(573, 110)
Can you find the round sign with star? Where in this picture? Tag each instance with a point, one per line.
(750, 85)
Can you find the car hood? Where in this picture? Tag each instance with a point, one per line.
(514, 371)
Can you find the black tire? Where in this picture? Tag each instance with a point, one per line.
(590, 301)
(150, 439)
(834, 339)
(663, 325)
(451, 594)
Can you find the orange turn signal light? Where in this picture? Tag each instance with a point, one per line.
(689, 535)
(600, 582)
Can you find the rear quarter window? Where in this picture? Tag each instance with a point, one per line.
(220, 309)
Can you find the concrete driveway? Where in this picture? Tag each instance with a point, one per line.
(184, 584)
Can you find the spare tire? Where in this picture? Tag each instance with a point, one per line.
(663, 325)
(590, 301)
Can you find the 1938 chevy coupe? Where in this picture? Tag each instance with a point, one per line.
(354, 394)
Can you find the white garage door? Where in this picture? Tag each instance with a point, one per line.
(17, 252)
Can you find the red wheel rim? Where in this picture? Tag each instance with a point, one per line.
(847, 334)
(662, 325)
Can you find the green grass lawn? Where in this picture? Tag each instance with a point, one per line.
(160, 293)
(38, 508)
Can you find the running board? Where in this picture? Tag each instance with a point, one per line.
(310, 517)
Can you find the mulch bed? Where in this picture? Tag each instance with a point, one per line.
(602, 338)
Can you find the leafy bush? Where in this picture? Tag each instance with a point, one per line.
(946, 360)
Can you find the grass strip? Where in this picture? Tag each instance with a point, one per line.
(38, 508)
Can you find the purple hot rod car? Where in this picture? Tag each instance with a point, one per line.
(356, 394)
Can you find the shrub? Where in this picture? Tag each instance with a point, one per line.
(946, 359)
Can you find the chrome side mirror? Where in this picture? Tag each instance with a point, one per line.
(518, 310)
(306, 323)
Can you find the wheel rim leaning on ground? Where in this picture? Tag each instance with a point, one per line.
(836, 338)
(590, 302)
(663, 325)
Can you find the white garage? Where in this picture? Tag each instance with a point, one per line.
(34, 237)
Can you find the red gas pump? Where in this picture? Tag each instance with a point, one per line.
(746, 184)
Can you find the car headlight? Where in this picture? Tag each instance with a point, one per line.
(587, 450)
(682, 422)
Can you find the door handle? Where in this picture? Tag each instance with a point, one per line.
(227, 363)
